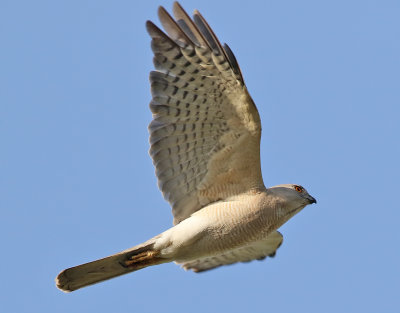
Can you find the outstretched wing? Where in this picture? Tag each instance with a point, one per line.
(205, 133)
(258, 250)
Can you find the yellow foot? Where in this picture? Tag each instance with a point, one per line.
(142, 259)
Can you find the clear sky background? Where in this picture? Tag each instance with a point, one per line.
(77, 183)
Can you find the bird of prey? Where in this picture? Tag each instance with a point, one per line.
(205, 144)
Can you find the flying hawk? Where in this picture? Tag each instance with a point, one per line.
(205, 144)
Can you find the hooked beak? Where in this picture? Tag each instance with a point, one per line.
(311, 199)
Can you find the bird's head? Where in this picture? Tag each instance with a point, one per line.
(292, 198)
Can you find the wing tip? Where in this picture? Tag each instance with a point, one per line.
(150, 27)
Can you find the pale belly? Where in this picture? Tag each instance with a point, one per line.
(217, 228)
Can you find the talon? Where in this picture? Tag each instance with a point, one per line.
(128, 263)
(141, 259)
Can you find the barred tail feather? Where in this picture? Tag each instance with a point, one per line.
(112, 266)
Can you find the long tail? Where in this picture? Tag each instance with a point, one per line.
(115, 265)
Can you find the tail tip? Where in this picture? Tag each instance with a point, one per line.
(62, 282)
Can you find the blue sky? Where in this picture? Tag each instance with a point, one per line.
(77, 183)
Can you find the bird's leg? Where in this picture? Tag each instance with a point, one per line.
(142, 259)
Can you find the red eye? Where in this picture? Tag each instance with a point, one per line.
(298, 188)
